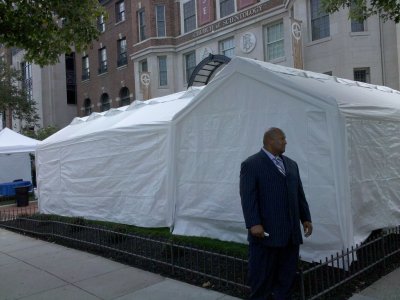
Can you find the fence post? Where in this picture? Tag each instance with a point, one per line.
(302, 289)
(383, 251)
(171, 244)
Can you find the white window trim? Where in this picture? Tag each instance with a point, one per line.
(183, 17)
(219, 10)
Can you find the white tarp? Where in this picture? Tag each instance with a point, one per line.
(112, 166)
(174, 161)
(15, 162)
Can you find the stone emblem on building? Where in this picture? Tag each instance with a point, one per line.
(248, 42)
(296, 30)
(145, 78)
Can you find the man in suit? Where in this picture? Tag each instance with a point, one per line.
(273, 204)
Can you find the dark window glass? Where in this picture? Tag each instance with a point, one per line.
(319, 21)
(362, 75)
(105, 102)
(122, 58)
(162, 67)
(160, 18)
(102, 60)
(87, 105)
(190, 64)
(226, 7)
(120, 11)
(71, 78)
(85, 68)
(124, 96)
(189, 16)
(142, 25)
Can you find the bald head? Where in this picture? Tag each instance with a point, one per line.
(274, 141)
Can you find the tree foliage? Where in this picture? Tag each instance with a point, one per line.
(47, 28)
(13, 97)
(42, 133)
(362, 9)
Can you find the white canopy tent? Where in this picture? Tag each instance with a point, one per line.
(175, 160)
(15, 162)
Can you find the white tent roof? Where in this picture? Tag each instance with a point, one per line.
(159, 110)
(13, 142)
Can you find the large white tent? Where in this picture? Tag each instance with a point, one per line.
(175, 160)
(15, 162)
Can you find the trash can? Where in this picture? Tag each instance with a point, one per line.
(22, 195)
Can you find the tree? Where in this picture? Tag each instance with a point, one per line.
(42, 133)
(362, 9)
(13, 97)
(47, 28)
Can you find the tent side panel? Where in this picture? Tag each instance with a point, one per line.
(117, 176)
(374, 152)
(225, 128)
(15, 166)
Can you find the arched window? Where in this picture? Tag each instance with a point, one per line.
(124, 96)
(87, 105)
(105, 102)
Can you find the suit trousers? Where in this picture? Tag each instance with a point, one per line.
(272, 271)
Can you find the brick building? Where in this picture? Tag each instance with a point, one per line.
(149, 48)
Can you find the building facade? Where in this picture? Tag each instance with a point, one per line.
(149, 48)
(53, 88)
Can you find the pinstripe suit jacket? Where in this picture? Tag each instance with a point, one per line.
(274, 200)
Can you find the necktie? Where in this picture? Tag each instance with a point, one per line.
(279, 163)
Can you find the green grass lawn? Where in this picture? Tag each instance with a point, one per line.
(230, 248)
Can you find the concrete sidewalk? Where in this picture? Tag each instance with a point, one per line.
(35, 269)
(386, 288)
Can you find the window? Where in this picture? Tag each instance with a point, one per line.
(226, 7)
(143, 66)
(160, 20)
(142, 25)
(105, 102)
(101, 25)
(102, 60)
(273, 35)
(227, 47)
(85, 68)
(122, 58)
(356, 26)
(124, 96)
(190, 64)
(71, 77)
(162, 69)
(189, 16)
(26, 69)
(319, 21)
(87, 106)
(362, 74)
(120, 11)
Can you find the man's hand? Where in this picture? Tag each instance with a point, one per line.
(308, 228)
(257, 231)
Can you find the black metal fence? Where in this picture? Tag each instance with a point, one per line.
(322, 279)
(218, 271)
